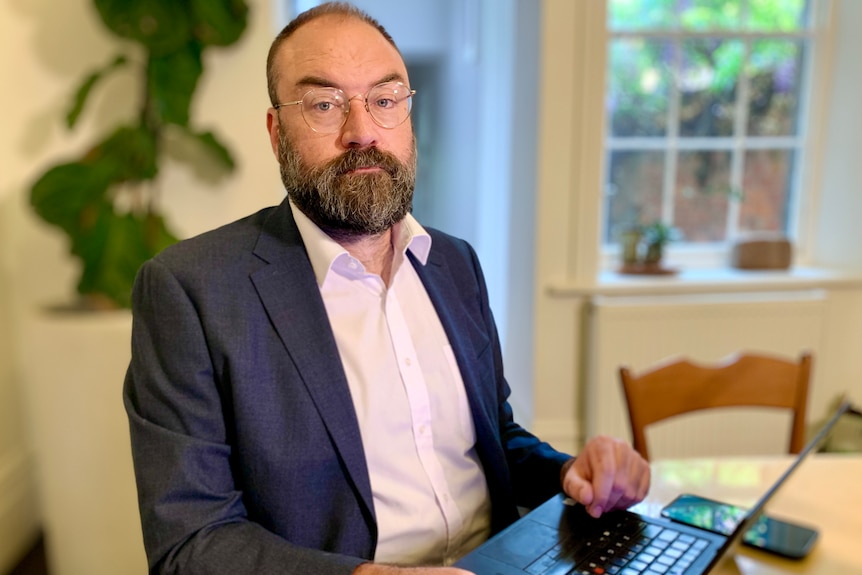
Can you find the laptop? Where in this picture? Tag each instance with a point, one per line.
(560, 538)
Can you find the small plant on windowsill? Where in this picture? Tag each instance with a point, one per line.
(643, 248)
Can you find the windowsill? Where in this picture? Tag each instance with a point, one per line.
(706, 281)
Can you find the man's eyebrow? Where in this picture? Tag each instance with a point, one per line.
(393, 77)
(317, 81)
(321, 82)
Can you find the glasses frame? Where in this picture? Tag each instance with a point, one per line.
(346, 108)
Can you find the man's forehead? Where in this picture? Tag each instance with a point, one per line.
(331, 46)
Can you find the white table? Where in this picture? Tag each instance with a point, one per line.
(824, 492)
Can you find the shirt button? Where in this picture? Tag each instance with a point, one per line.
(407, 362)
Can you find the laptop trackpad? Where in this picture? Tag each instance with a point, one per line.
(524, 542)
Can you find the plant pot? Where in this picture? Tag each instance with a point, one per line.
(630, 246)
(654, 254)
(73, 365)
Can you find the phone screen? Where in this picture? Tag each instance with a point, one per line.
(784, 538)
(704, 513)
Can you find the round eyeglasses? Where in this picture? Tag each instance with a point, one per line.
(325, 110)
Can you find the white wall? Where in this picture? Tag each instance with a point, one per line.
(567, 207)
(838, 237)
(19, 512)
(840, 208)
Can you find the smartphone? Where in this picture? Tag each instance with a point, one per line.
(769, 534)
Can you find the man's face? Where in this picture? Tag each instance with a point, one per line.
(342, 200)
(359, 179)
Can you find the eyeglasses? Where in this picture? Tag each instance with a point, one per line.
(325, 110)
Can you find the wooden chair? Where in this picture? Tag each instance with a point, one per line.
(680, 386)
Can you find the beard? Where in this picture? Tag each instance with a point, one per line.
(347, 205)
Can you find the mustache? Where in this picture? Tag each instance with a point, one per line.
(355, 159)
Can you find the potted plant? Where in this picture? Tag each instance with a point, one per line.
(655, 237)
(107, 200)
(630, 242)
(643, 246)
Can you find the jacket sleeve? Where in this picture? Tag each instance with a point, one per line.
(193, 516)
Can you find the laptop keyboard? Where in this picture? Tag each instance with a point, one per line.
(625, 545)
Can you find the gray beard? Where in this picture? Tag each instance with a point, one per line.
(349, 205)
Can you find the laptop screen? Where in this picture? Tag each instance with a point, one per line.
(749, 519)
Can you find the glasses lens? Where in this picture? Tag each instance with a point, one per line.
(390, 103)
(324, 109)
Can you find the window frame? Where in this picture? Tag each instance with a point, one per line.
(806, 144)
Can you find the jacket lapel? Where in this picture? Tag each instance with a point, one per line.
(470, 339)
(289, 292)
(466, 336)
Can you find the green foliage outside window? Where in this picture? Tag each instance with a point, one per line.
(675, 71)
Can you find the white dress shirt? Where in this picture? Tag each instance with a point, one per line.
(430, 495)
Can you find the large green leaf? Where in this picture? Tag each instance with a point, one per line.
(157, 234)
(219, 22)
(87, 86)
(66, 194)
(62, 194)
(215, 149)
(89, 242)
(163, 26)
(171, 81)
(129, 153)
(113, 251)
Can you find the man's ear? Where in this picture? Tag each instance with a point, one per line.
(272, 128)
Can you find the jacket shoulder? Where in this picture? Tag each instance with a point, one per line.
(239, 235)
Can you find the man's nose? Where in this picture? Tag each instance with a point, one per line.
(360, 130)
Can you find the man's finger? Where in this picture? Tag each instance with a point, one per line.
(577, 487)
(604, 474)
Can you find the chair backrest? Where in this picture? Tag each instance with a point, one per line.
(680, 386)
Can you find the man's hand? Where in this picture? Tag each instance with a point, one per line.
(380, 569)
(608, 474)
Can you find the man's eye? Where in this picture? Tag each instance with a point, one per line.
(385, 103)
(323, 106)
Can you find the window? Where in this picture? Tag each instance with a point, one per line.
(705, 105)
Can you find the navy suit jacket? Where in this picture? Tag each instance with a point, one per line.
(247, 452)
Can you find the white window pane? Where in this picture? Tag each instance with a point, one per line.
(775, 80)
(639, 78)
(702, 195)
(766, 184)
(635, 190)
(640, 14)
(711, 14)
(778, 15)
(708, 83)
(704, 115)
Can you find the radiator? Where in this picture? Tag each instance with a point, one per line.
(640, 331)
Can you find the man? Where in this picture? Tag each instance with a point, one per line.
(318, 388)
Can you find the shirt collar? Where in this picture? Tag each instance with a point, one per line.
(323, 251)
